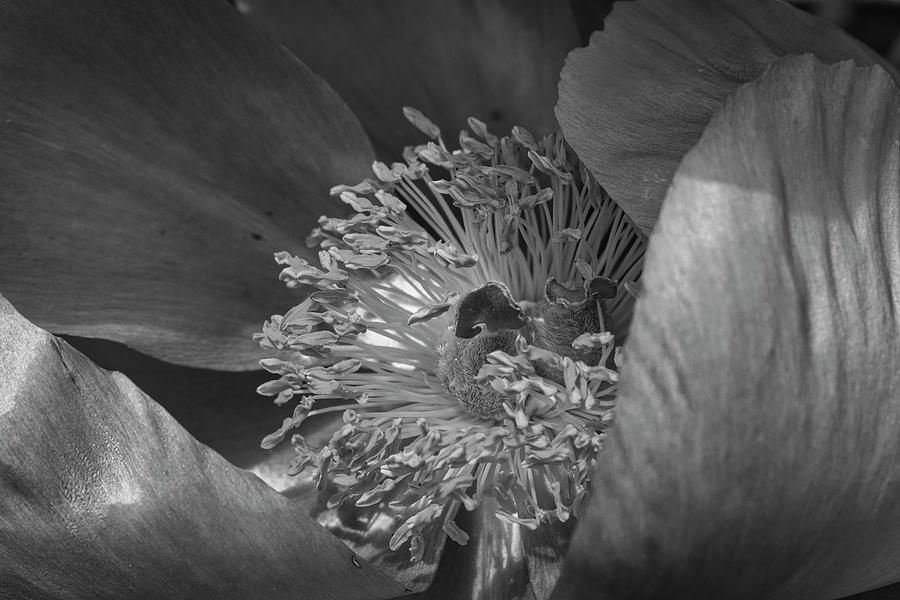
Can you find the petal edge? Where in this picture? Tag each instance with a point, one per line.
(755, 452)
(638, 97)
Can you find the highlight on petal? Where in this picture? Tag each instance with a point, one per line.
(755, 452)
(104, 495)
(638, 97)
(153, 157)
(498, 60)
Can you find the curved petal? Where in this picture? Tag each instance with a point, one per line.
(638, 97)
(104, 495)
(153, 157)
(501, 561)
(755, 453)
(491, 566)
(497, 60)
(219, 409)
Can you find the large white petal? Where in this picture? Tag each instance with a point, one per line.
(756, 452)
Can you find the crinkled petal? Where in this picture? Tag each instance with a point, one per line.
(755, 452)
(497, 60)
(104, 495)
(153, 157)
(638, 97)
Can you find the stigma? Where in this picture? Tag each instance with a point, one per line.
(465, 320)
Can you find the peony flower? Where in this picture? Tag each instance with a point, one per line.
(156, 156)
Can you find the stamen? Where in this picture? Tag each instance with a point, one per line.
(466, 327)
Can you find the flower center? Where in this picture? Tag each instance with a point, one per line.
(488, 320)
(466, 328)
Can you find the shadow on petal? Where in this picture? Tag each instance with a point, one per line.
(153, 157)
(104, 495)
(497, 60)
(891, 592)
(755, 451)
(638, 97)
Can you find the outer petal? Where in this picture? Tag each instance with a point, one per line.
(638, 97)
(103, 495)
(756, 449)
(153, 156)
(497, 60)
(219, 409)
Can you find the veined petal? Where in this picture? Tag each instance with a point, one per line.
(638, 97)
(755, 450)
(104, 495)
(153, 158)
(497, 60)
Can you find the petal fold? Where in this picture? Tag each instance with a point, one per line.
(755, 452)
(104, 495)
(153, 158)
(496, 60)
(638, 97)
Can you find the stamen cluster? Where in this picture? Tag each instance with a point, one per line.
(372, 338)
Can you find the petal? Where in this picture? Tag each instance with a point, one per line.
(638, 97)
(755, 451)
(545, 549)
(491, 566)
(153, 157)
(367, 531)
(220, 409)
(498, 60)
(501, 561)
(104, 495)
